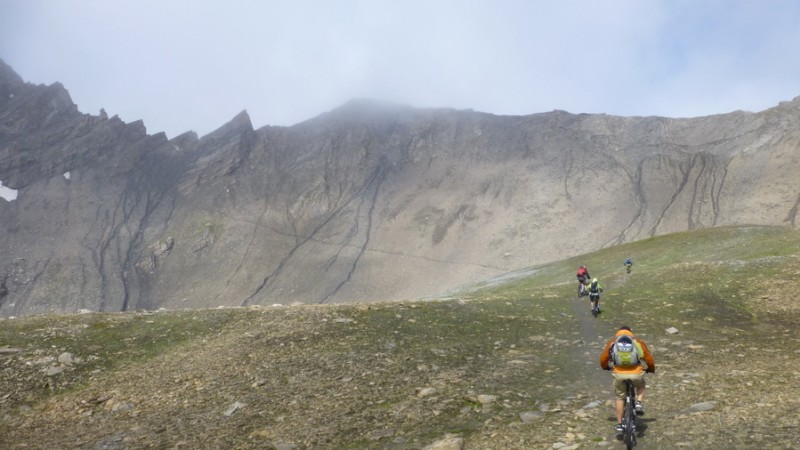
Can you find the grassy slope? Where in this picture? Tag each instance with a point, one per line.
(402, 375)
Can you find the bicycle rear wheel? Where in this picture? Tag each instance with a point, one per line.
(629, 418)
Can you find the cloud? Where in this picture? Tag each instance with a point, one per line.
(192, 65)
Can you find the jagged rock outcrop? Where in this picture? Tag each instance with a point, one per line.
(365, 202)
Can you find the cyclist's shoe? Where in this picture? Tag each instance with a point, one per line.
(619, 428)
(639, 408)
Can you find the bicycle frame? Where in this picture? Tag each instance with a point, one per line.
(595, 300)
(582, 289)
(629, 416)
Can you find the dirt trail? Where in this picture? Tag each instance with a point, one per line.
(593, 333)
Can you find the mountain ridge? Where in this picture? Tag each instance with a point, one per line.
(367, 201)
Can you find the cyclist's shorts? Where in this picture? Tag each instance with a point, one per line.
(619, 382)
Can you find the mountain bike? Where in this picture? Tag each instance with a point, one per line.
(595, 299)
(582, 292)
(629, 416)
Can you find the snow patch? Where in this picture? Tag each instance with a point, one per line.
(7, 193)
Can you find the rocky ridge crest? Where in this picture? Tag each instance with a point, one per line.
(362, 203)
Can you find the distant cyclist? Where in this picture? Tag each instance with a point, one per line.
(624, 355)
(583, 274)
(628, 264)
(583, 279)
(593, 290)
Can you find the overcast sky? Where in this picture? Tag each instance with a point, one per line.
(184, 65)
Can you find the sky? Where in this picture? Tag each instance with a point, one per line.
(182, 65)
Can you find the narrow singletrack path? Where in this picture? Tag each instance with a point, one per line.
(593, 333)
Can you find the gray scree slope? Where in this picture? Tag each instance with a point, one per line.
(367, 202)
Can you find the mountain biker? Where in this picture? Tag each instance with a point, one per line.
(634, 372)
(583, 280)
(582, 274)
(628, 264)
(594, 289)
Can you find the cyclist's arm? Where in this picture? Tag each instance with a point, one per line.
(606, 355)
(648, 358)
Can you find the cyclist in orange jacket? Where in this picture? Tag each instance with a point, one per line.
(627, 366)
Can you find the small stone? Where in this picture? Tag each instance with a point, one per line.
(530, 416)
(53, 370)
(233, 408)
(381, 434)
(424, 392)
(449, 442)
(285, 446)
(486, 399)
(66, 358)
(703, 406)
(121, 407)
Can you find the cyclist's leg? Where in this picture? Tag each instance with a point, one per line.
(619, 393)
(640, 386)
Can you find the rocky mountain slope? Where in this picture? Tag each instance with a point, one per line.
(513, 366)
(366, 202)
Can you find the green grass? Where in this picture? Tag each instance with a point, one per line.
(331, 375)
(104, 342)
(721, 265)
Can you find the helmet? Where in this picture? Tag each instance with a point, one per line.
(583, 267)
(594, 280)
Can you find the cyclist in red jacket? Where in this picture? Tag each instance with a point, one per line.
(583, 274)
(583, 279)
